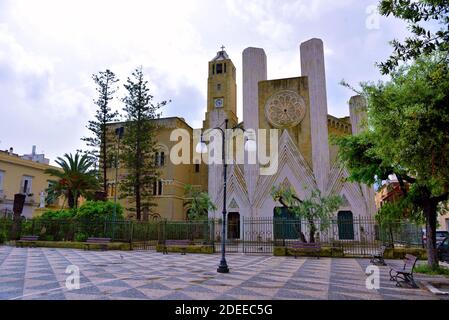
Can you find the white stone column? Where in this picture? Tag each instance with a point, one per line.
(312, 66)
(254, 71)
(358, 113)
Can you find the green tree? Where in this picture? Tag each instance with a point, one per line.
(421, 16)
(76, 178)
(314, 208)
(100, 210)
(408, 135)
(106, 88)
(198, 204)
(139, 144)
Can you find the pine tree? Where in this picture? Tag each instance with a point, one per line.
(106, 88)
(139, 144)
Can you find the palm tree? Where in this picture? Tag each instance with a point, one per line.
(77, 178)
(198, 204)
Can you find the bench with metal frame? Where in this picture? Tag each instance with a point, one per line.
(378, 257)
(299, 246)
(182, 244)
(404, 274)
(28, 239)
(102, 242)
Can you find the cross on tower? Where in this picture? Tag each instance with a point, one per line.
(222, 47)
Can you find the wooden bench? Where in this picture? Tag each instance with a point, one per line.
(28, 239)
(182, 244)
(378, 257)
(102, 242)
(404, 273)
(299, 246)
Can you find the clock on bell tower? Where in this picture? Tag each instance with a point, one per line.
(221, 90)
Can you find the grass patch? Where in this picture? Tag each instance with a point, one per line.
(425, 269)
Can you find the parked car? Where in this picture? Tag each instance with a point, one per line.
(443, 250)
(441, 235)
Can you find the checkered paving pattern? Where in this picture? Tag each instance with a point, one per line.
(39, 273)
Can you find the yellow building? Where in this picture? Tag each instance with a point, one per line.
(20, 175)
(169, 190)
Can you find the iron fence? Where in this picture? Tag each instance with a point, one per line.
(356, 236)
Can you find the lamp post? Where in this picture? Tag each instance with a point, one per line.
(202, 148)
(119, 134)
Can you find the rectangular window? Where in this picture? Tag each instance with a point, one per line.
(219, 68)
(160, 188)
(197, 168)
(26, 185)
(218, 87)
(156, 159)
(155, 188)
(162, 159)
(225, 68)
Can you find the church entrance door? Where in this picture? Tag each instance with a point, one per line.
(345, 222)
(233, 225)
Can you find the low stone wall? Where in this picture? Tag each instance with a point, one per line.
(396, 253)
(190, 249)
(75, 245)
(399, 253)
(324, 252)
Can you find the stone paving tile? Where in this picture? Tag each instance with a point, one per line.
(39, 274)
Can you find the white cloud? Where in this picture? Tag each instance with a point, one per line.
(50, 48)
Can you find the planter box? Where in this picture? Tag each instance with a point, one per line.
(190, 249)
(75, 245)
(325, 252)
(399, 253)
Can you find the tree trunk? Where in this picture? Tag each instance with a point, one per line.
(71, 200)
(391, 237)
(105, 182)
(430, 212)
(312, 231)
(138, 202)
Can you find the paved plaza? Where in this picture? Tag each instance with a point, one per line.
(39, 273)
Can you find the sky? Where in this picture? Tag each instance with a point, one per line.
(49, 50)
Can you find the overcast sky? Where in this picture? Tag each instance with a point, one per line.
(49, 50)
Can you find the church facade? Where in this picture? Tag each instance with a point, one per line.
(297, 109)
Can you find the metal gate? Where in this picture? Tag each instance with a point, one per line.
(258, 235)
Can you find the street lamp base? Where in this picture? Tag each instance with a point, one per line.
(223, 269)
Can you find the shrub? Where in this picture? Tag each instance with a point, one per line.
(100, 210)
(58, 214)
(49, 237)
(2, 236)
(81, 237)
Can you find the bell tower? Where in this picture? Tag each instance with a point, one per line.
(221, 91)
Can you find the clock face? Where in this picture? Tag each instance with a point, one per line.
(218, 103)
